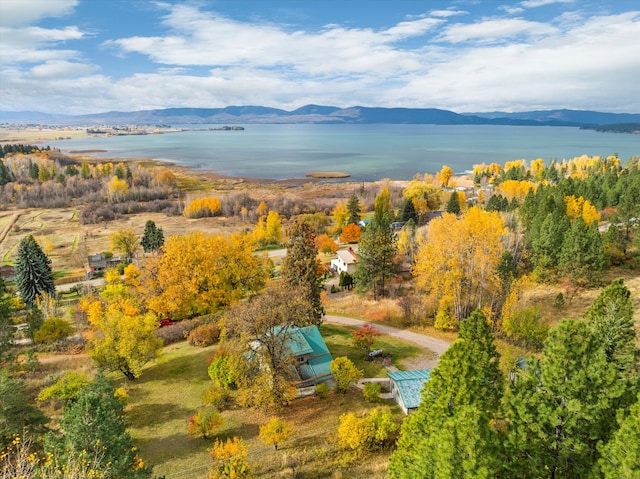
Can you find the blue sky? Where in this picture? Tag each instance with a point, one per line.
(88, 56)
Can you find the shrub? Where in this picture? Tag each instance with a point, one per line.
(371, 392)
(344, 372)
(221, 372)
(203, 207)
(205, 335)
(216, 396)
(178, 331)
(66, 388)
(52, 329)
(322, 390)
(372, 431)
(205, 422)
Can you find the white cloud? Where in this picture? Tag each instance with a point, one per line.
(495, 63)
(541, 3)
(35, 44)
(495, 29)
(60, 69)
(21, 12)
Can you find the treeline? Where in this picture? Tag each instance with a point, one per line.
(42, 178)
(6, 150)
(573, 412)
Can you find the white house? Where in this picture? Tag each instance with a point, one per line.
(346, 261)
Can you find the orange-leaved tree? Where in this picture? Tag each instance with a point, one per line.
(350, 233)
(325, 244)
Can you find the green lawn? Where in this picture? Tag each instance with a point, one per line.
(338, 339)
(168, 392)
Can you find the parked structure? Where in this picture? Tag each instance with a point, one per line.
(406, 387)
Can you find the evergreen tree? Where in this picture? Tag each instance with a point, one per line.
(548, 243)
(453, 205)
(300, 267)
(450, 435)
(6, 325)
(353, 207)
(582, 256)
(610, 319)
(376, 254)
(621, 455)
(17, 415)
(5, 174)
(152, 238)
(560, 408)
(95, 423)
(408, 211)
(33, 271)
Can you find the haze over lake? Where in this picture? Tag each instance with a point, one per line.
(366, 152)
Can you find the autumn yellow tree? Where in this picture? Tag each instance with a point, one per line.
(457, 261)
(117, 189)
(123, 337)
(273, 229)
(444, 175)
(202, 207)
(199, 274)
(581, 207)
(275, 432)
(125, 241)
(340, 216)
(517, 189)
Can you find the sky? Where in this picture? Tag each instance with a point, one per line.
(90, 56)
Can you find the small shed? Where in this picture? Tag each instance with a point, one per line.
(406, 387)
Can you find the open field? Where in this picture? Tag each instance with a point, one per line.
(169, 391)
(39, 135)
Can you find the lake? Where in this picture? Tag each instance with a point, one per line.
(366, 152)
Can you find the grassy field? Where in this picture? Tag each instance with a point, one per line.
(169, 391)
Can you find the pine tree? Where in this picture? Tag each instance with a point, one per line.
(5, 174)
(621, 455)
(6, 325)
(353, 207)
(17, 415)
(152, 238)
(560, 408)
(300, 267)
(33, 271)
(610, 319)
(95, 423)
(451, 435)
(376, 254)
(453, 205)
(408, 211)
(582, 256)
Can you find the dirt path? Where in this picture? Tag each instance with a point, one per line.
(6, 230)
(438, 346)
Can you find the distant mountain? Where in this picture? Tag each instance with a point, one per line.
(577, 116)
(322, 114)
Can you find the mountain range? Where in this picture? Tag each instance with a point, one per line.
(322, 114)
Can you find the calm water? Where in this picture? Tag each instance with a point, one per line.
(367, 152)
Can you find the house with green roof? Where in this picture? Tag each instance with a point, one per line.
(406, 387)
(311, 354)
(312, 358)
